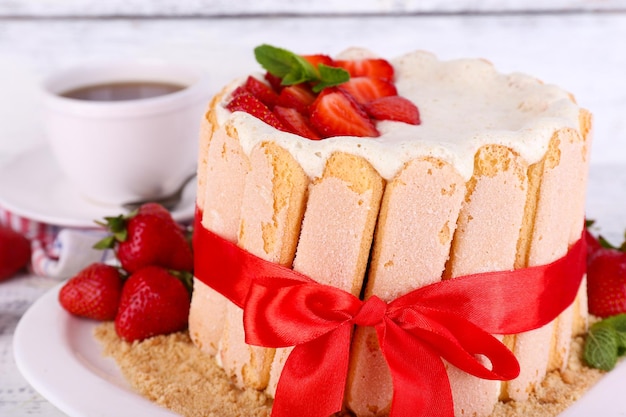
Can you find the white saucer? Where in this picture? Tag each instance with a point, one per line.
(33, 186)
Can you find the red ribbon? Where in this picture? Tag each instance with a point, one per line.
(451, 319)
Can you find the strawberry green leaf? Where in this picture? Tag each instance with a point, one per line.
(601, 348)
(605, 243)
(185, 277)
(106, 243)
(117, 226)
(589, 223)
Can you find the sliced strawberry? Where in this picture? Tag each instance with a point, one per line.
(394, 108)
(238, 91)
(298, 97)
(371, 67)
(274, 81)
(262, 91)
(366, 89)
(317, 59)
(246, 102)
(335, 113)
(296, 122)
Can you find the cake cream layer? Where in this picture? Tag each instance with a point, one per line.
(464, 104)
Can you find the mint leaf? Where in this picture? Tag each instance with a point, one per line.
(606, 341)
(330, 77)
(601, 348)
(294, 69)
(276, 61)
(618, 323)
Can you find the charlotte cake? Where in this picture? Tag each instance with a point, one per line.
(478, 186)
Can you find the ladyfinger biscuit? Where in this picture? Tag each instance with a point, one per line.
(204, 295)
(545, 238)
(415, 228)
(580, 313)
(339, 222)
(484, 242)
(271, 215)
(574, 319)
(273, 204)
(207, 125)
(337, 228)
(226, 168)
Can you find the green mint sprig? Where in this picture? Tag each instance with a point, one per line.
(294, 69)
(606, 342)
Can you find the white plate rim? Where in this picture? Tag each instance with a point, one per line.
(46, 326)
(61, 373)
(91, 211)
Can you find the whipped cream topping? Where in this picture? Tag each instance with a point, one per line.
(464, 104)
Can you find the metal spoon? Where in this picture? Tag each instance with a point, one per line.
(169, 201)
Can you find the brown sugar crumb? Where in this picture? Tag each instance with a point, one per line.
(558, 390)
(172, 372)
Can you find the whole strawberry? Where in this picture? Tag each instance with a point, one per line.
(606, 277)
(14, 252)
(154, 302)
(606, 283)
(93, 293)
(148, 236)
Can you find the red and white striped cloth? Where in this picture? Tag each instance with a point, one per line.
(58, 252)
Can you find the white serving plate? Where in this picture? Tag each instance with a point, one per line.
(58, 355)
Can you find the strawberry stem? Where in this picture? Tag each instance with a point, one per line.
(117, 226)
(185, 277)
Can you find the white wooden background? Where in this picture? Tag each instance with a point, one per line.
(578, 44)
(169, 8)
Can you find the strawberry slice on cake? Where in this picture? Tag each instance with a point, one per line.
(317, 97)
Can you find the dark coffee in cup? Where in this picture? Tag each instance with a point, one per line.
(115, 145)
(122, 91)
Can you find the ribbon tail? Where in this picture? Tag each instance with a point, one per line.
(460, 342)
(420, 381)
(313, 381)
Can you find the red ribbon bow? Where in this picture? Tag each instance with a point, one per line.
(451, 319)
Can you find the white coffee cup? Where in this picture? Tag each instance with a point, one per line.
(119, 151)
